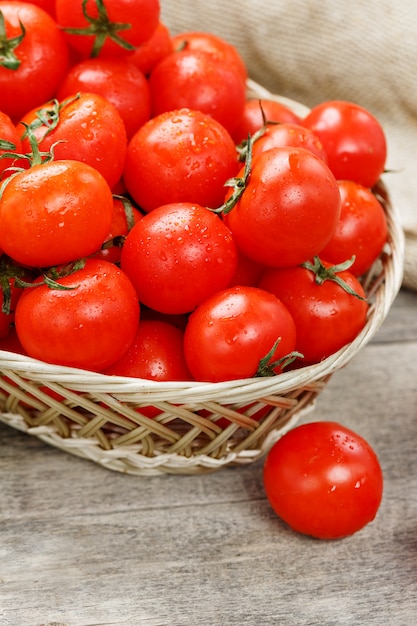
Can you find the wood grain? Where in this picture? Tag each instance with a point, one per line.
(84, 546)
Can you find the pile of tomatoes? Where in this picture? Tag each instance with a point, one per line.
(156, 222)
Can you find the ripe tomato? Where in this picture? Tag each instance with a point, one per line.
(8, 133)
(361, 231)
(117, 80)
(212, 44)
(177, 256)
(288, 210)
(229, 334)
(353, 139)
(179, 156)
(197, 80)
(148, 55)
(33, 61)
(107, 28)
(286, 134)
(252, 119)
(87, 127)
(323, 480)
(326, 316)
(80, 326)
(55, 213)
(156, 353)
(124, 218)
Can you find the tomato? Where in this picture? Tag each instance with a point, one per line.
(8, 134)
(288, 210)
(148, 55)
(46, 5)
(179, 156)
(286, 134)
(178, 255)
(252, 119)
(156, 353)
(214, 45)
(362, 229)
(33, 61)
(124, 218)
(229, 334)
(248, 271)
(327, 315)
(10, 293)
(117, 80)
(55, 213)
(197, 80)
(107, 27)
(353, 139)
(80, 326)
(323, 480)
(85, 127)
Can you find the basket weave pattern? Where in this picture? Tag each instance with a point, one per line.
(195, 427)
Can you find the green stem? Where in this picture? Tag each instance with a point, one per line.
(8, 58)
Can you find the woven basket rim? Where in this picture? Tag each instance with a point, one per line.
(242, 389)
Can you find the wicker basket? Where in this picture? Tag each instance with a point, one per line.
(105, 418)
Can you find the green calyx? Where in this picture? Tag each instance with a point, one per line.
(8, 58)
(267, 367)
(101, 28)
(323, 273)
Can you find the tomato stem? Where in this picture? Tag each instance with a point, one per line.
(267, 368)
(49, 116)
(100, 28)
(323, 273)
(8, 58)
(238, 183)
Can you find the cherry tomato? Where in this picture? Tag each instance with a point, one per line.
(178, 255)
(362, 229)
(323, 480)
(55, 213)
(229, 334)
(80, 326)
(214, 45)
(156, 353)
(85, 127)
(288, 210)
(117, 80)
(353, 139)
(33, 58)
(286, 134)
(252, 119)
(148, 55)
(179, 156)
(197, 80)
(114, 27)
(326, 315)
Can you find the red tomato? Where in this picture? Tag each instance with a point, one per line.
(115, 27)
(55, 213)
(210, 43)
(198, 80)
(8, 133)
(252, 119)
(148, 55)
(10, 293)
(178, 255)
(286, 134)
(117, 80)
(323, 480)
(38, 58)
(229, 334)
(86, 127)
(179, 156)
(288, 210)
(156, 353)
(81, 326)
(362, 229)
(46, 5)
(326, 316)
(125, 216)
(353, 139)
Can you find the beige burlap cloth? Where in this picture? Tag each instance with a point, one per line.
(314, 50)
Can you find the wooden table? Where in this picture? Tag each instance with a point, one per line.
(81, 545)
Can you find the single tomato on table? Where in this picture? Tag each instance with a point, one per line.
(323, 480)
